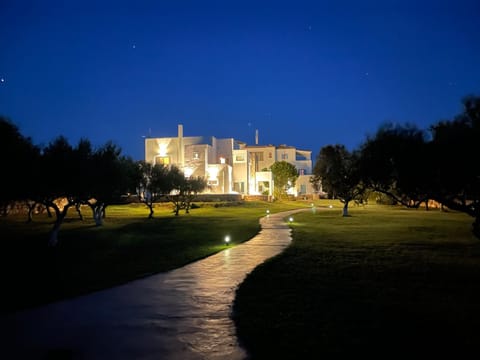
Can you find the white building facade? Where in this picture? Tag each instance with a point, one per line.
(228, 165)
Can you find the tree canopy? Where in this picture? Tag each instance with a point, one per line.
(396, 162)
(337, 169)
(285, 176)
(454, 150)
(411, 167)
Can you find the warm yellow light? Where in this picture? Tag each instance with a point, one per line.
(212, 173)
(162, 149)
(222, 160)
(188, 171)
(227, 239)
(290, 219)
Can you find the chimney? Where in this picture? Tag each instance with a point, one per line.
(256, 137)
(181, 150)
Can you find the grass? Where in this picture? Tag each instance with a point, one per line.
(385, 282)
(128, 246)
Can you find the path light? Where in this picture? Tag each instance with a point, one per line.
(227, 239)
(268, 211)
(330, 206)
(290, 219)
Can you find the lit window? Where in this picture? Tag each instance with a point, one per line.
(239, 158)
(162, 160)
(196, 155)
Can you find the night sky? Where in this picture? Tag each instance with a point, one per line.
(306, 74)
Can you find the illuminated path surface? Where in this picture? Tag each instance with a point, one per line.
(181, 314)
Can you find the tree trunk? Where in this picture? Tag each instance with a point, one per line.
(177, 208)
(98, 215)
(49, 213)
(150, 207)
(53, 238)
(345, 208)
(97, 212)
(31, 207)
(60, 216)
(79, 211)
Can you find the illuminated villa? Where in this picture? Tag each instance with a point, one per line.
(230, 166)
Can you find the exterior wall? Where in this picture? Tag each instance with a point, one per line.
(264, 183)
(287, 154)
(167, 148)
(164, 147)
(261, 157)
(219, 178)
(224, 150)
(229, 165)
(303, 162)
(196, 160)
(301, 159)
(303, 166)
(303, 186)
(240, 171)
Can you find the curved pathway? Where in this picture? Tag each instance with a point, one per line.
(181, 314)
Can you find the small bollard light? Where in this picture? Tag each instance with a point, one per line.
(330, 206)
(268, 211)
(290, 219)
(227, 239)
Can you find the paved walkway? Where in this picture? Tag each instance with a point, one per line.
(182, 314)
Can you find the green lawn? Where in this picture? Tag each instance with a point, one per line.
(127, 247)
(385, 282)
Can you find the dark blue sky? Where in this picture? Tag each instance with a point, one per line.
(303, 73)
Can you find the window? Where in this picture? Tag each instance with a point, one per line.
(239, 158)
(301, 172)
(212, 182)
(269, 155)
(239, 187)
(196, 155)
(162, 160)
(258, 156)
(284, 156)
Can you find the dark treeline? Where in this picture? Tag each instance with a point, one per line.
(411, 166)
(82, 175)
